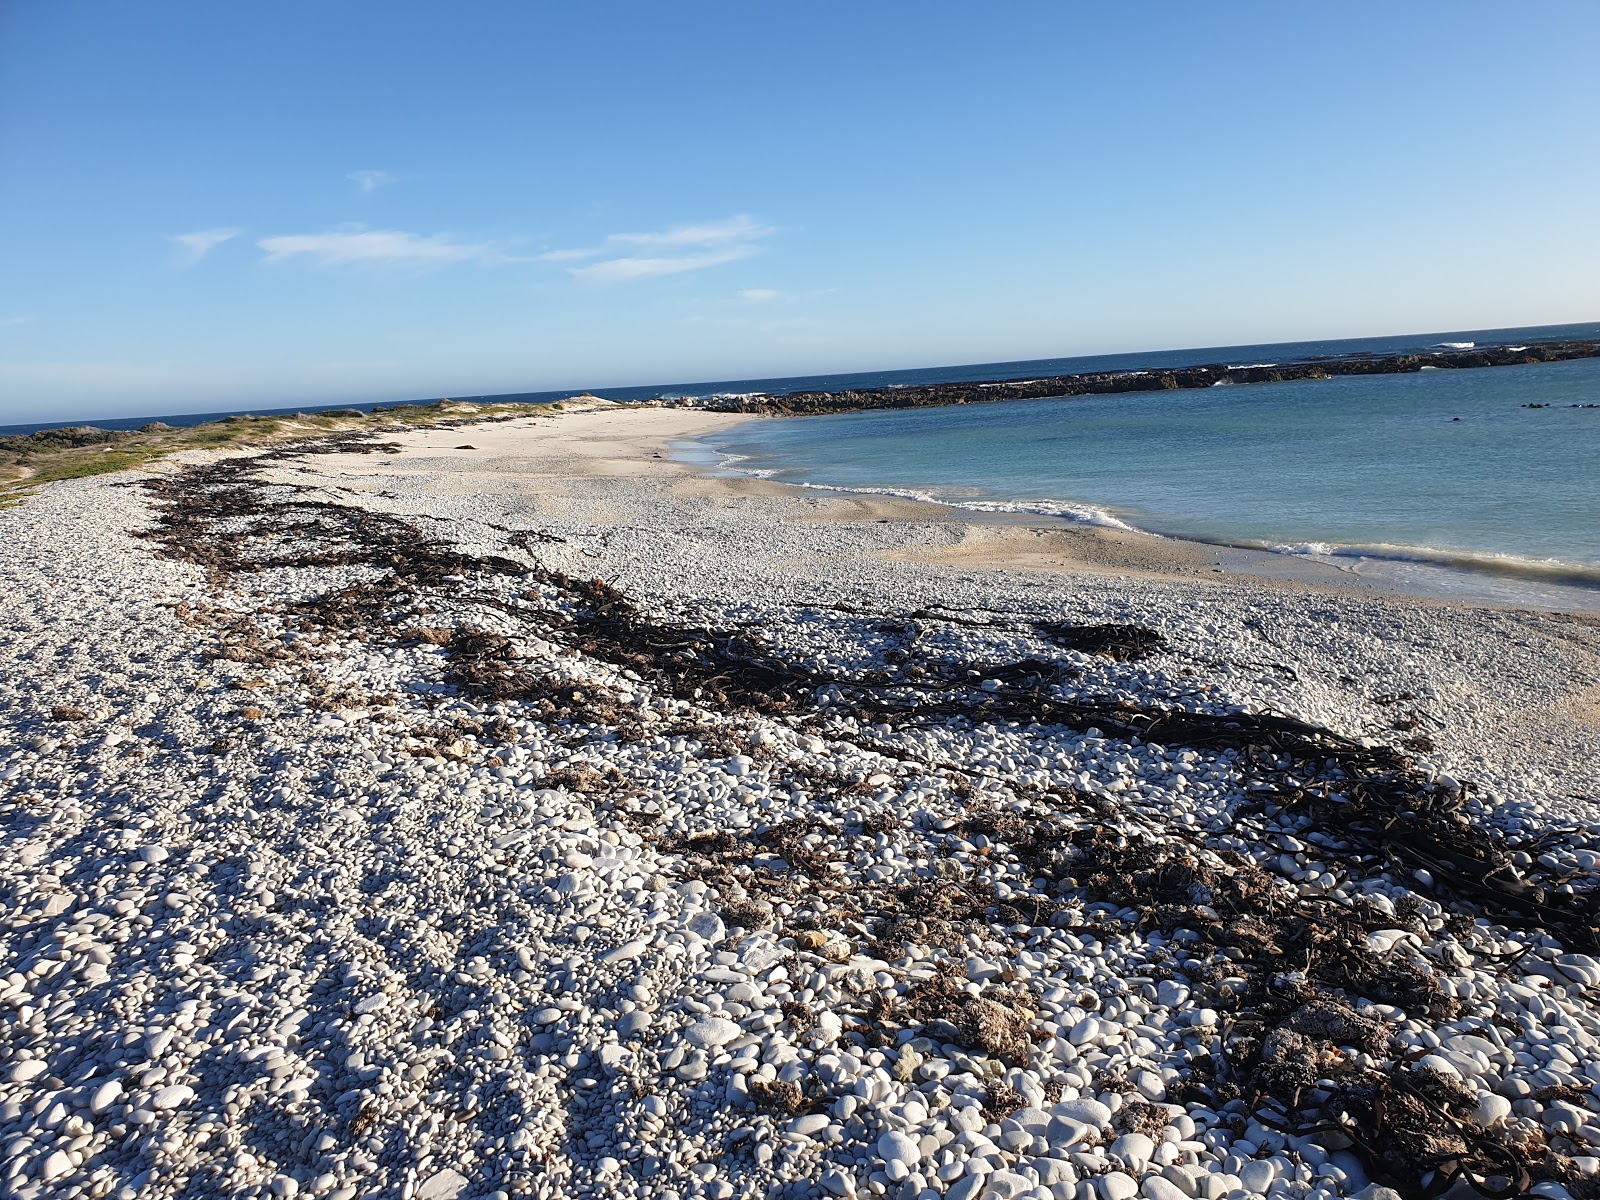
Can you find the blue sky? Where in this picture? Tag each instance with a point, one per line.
(212, 205)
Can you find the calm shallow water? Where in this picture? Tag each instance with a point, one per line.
(1373, 467)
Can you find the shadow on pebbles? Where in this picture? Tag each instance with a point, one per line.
(481, 879)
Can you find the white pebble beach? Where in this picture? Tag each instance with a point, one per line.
(290, 913)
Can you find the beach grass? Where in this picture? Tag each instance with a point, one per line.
(29, 461)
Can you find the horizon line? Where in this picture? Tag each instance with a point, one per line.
(555, 395)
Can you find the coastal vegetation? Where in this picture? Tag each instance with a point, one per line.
(78, 451)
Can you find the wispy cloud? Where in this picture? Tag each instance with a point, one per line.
(7, 322)
(735, 229)
(356, 245)
(625, 256)
(557, 256)
(371, 181)
(759, 295)
(617, 270)
(201, 242)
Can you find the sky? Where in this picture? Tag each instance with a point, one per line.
(207, 205)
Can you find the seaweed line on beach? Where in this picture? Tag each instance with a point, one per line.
(1288, 972)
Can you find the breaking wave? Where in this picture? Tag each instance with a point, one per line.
(1542, 570)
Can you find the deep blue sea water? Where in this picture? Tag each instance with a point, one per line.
(1440, 466)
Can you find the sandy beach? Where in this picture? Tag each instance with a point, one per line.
(510, 809)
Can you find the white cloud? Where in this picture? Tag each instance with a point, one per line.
(371, 181)
(717, 242)
(759, 295)
(377, 247)
(556, 256)
(201, 242)
(8, 322)
(618, 270)
(735, 229)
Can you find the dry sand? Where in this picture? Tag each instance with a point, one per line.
(601, 438)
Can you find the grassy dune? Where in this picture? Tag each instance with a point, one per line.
(28, 461)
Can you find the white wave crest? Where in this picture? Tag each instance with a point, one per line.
(1086, 514)
(1549, 569)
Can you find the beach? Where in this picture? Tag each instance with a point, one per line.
(513, 809)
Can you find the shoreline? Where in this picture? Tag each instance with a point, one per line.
(1012, 535)
(506, 808)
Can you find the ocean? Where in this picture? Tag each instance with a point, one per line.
(1444, 468)
(1026, 369)
(1445, 471)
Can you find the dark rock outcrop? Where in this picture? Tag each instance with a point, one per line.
(1104, 382)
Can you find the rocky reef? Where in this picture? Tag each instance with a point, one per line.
(1103, 382)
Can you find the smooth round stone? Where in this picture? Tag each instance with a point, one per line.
(1084, 1111)
(1257, 1176)
(1491, 1111)
(1061, 1133)
(445, 1184)
(547, 1016)
(28, 1068)
(1116, 1186)
(1034, 1120)
(172, 1096)
(1134, 1149)
(1156, 1188)
(895, 1146)
(1150, 1085)
(57, 1165)
(625, 952)
(633, 1024)
(809, 1125)
(105, 1096)
(1015, 1139)
(1052, 1171)
(710, 1032)
(1007, 1185)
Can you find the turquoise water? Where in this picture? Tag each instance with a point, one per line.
(1354, 466)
